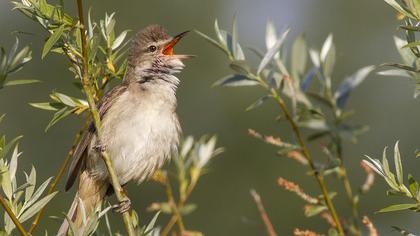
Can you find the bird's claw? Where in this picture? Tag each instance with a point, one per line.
(123, 206)
(100, 148)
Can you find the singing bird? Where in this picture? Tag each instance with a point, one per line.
(140, 128)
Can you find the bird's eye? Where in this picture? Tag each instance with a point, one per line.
(152, 48)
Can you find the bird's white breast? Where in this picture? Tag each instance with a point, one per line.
(140, 131)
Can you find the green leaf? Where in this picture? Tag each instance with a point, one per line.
(52, 40)
(20, 82)
(31, 211)
(257, 103)
(235, 81)
(187, 209)
(398, 207)
(327, 56)
(313, 210)
(31, 179)
(62, 113)
(299, 57)
(272, 51)
(413, 186)
(47, 106)
(152, 223)
(212, 41)
(398, 164)
(235, 37)
(401, 8)
(117, 42)
(412, 44)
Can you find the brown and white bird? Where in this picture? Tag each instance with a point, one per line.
(140, 128)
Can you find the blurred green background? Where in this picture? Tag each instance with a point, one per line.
(363, 33)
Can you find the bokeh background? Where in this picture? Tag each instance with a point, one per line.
(363, 32)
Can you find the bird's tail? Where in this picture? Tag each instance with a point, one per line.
(91, 193)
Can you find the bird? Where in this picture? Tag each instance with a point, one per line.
(140, 129)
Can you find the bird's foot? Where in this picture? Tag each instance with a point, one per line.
(123, 206)
(100, 148)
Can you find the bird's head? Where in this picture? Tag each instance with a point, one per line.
(151, 53)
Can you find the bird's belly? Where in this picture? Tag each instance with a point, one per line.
(140, 142)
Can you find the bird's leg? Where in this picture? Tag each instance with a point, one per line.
(124, 205)
(99, 148)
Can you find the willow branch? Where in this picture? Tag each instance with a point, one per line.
(318, 176)
(96, 118)
(12, 215)
(264, 216)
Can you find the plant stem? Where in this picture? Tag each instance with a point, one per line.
(15, 220)
(175, 208)
(181, 203)
(96, 118)
(317, 174)
(264, 216)
(347, 187)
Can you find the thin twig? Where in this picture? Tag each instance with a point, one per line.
(305, 151)
(372, 230)
(15, 220)
(268, 226)
(174, 206)
(181, 203)
(96, 118)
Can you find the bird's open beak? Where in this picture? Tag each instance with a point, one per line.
(168, 49)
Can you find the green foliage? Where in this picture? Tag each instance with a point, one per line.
(396, 181)
(319, 107)
(13, 62)
(106, 52)
(24, 200)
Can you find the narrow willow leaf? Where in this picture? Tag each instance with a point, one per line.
(398, 207)
(410, 27)
(152, 223)
(219, 33)
(20, 82)
(299, 57)
(401, 9)
(13, 50)
(408, 57)
(47, 106)
(35, 196)
(52, 40)
(327, 56)
(31, 211)
(270, 34)
(235, 80)
(117, 42)
(413, 186)
(257, 103)
(188, 209)
(14, 163)
(6, 184)
(314, 55)
(58, 116)
(398, 164)
(313, 210)
(9, 146)
(272, 51)
(240, 67)
(212, 41)
(394, 72)
(31, 179)
(326, 47)
(235, 37)
(343, 91)
(412, 44)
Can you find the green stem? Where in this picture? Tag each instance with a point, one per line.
(96, 118)
(175, 207)
(15, 220)
(317, 174)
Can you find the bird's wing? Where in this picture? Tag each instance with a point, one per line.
(80, 152)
